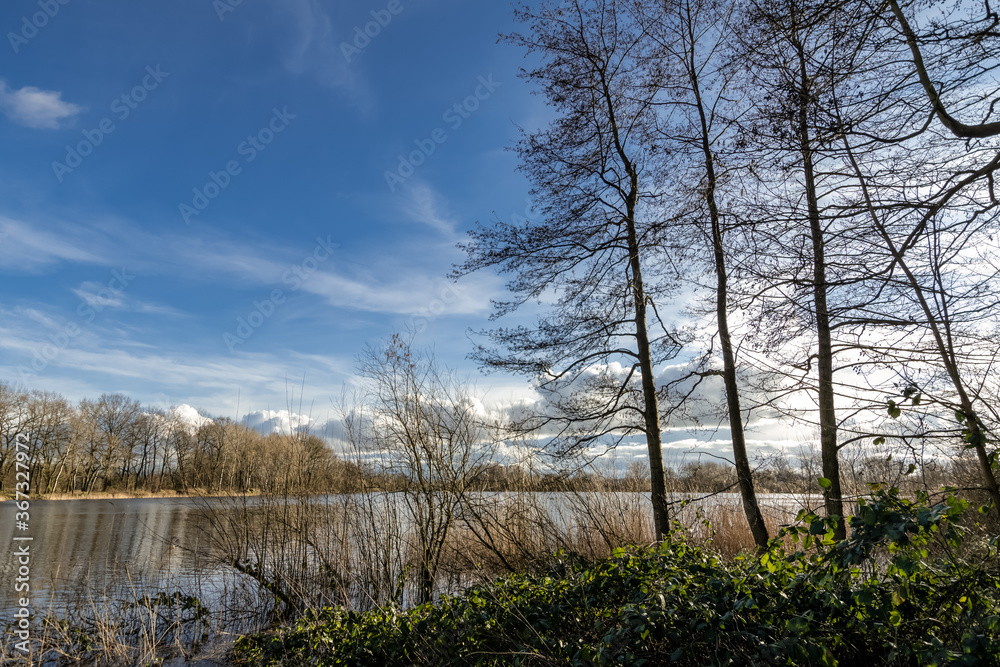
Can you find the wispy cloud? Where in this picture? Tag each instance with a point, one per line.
(407, 294)
(314, 50)
(313, 27)
(313, 46)
(101, 359)
(410, 285)
(28, 247)
(36, 108)
(101, 297)
(426, 206)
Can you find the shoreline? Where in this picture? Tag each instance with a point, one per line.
(121, 495)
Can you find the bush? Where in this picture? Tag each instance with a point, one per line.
(895, 593)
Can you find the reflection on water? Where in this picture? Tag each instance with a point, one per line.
(89, 541)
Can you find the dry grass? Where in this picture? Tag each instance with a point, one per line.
(521, 532)
(723, 526)
(121, 624)
(132, 495)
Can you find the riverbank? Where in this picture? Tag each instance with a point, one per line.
(139, 495)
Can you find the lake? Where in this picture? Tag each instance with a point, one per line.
(113, 552)
(164, 538)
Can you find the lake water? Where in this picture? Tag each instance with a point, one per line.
(123, 549)
(114, 552)
(89, 540)
(158, 538)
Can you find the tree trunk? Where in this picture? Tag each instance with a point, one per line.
(651, 412)
(743, 472)
(832, 495)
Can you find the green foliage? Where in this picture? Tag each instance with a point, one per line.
(893, 593)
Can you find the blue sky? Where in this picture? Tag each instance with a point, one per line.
(217, 203)
(195, 202)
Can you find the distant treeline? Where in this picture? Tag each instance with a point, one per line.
(116, 445)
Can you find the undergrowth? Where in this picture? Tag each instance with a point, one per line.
(908, 587)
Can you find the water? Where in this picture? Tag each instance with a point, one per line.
(92, 541)
(165, 539)
(120, 550)
(96, 559)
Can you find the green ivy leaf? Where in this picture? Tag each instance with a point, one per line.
(797, 625)
(824, 482)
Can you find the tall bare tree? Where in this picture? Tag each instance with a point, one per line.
(923, 156)
(687, 39)
(787, 52)
(598, 252)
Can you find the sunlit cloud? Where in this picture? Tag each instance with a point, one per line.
(36, 108)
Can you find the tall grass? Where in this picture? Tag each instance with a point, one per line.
(131, 619)
(361, 551)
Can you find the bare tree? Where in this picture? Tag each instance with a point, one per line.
(13, 415)
(420, 422)
(50, 420)
(111, 421)
(688, 37)
(598, 252)
(789, 55)
(922, 156)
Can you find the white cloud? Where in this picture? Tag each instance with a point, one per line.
(100, 360)
(36, 108)
(313, 27)
(412, 286)
(28, 247)
(277, 421)
(414, 294)
(100, 296)
(187, 416)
